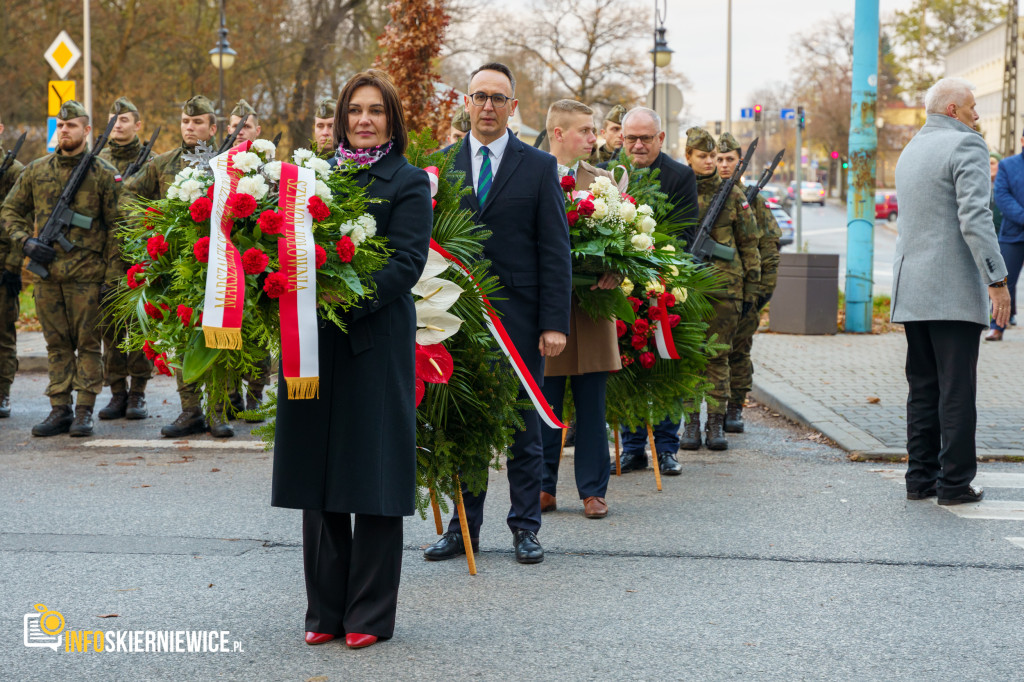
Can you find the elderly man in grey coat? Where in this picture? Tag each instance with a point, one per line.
(947, 266)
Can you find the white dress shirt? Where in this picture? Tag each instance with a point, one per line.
(495, 149)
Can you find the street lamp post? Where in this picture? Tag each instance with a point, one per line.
(661, 54)
(223, 57)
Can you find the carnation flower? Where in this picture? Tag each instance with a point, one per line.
(346, 249)
(153, 311)
(647, 360)
(319, 165)
(600, 209)
(322, 191)
(254, 261)
(246, 161)
(147, 349)
(160, 362)
(209, 192)
(201, 209)
(318, 209)
(265, 147)
(568, 183)
(136, 275)
(184, 314)
(190, 190)
(270, 222)
(369, 224)
(241, 205)
(641, 327)
(627, 286)
(358, 235)
(647, 224)
(300, 155)
(321, 256)
(201, 249)
(641, 242)
(156, 246)
(253, 185)
(572, 216)
(627, 211)
(146, 218)
(273, 170)
(638, 341)
(276, 285)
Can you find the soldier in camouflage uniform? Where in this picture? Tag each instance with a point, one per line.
(10, 287)
(741, 369)
(735, 227)
(323, 128)
(198, 124)
(610, 137)
(460, 125)
(68, 300)
(122, 149)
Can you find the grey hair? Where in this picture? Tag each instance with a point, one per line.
(944, 92)
(651, 113)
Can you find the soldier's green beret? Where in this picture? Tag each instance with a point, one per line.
(243, 109)
(995, 155)
(122, 105)
(71, 109)
(727, 143)
(698, 138)
(325, 108)
(197, 106)
(615, 114)
(461, 120)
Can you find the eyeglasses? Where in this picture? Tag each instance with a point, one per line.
(497, 99)
(633, 139)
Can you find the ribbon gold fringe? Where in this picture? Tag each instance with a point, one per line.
(223, 337)
(303, 388)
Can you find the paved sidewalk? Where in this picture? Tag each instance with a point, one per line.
(852, 388)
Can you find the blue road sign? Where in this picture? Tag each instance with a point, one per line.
(787, 114)
(51, 133)
(747, 112)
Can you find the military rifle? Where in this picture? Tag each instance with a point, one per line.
(62, 217)
(704, 247)
(229, 141)
(135, 165)
(11, 155)
(753, 190)
(277, 140)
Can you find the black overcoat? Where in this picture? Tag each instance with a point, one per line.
(353, 449)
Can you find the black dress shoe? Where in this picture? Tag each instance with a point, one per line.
(528, 549)
(631, 461)
(972, 495)
(448, 546)
(669, 465)
(921, 494)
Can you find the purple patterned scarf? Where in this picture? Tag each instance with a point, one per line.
(365, 157)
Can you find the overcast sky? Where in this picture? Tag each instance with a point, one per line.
(762, 32)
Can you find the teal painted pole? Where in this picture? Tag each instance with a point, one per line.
(860, 185)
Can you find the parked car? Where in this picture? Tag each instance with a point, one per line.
(784, 221)
(810, 192)
(886, 207)
(772, 193)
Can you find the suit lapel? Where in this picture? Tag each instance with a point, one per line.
(509, 162)
(464, 163)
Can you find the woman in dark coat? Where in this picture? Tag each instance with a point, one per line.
(352, 451)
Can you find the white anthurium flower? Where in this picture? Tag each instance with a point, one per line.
(246, 161)
(436, 293)
(300, 155)
(265, 147)
(253, 185)
(434, 326)
(273, 171)
(436, 264)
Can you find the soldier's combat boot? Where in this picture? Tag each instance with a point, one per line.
(190, 421)
(136, 406)
(713, 432)
(5, 407)
(253, 401)
(220, 428)
(82, 426)
(690, 439)
(115, 409)
(734, 418)
(58, 421)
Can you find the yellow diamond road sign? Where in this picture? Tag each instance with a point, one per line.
(62, 54)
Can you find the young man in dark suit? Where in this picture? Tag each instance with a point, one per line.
(516, 195)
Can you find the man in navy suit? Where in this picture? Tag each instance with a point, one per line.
(516, 195)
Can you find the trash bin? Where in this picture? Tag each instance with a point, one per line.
(806, 298)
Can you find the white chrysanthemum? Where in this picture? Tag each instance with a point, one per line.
(647, 224)
(273, 171)
(246, 161)
(627, 211)
(369, 224)
(264, 147)
(190, 190)
(323, 191)
(358, 235)
(627, 286)
(600, 209)
(300, 155)
(680, 293)
(253, 185)
(644, 209)
(641, 242)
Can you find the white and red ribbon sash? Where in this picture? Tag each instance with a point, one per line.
(497, 329)
(663, 333)
(225, 280)
(296, 252)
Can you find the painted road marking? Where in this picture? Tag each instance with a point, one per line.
(993, 510)
(1017, 541)
(167, 444)
(985, 479)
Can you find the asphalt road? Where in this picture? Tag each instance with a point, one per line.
(778, 559)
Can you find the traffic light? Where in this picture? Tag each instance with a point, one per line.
(846, 164)
(835, 155)
(800, 119)
(757, 112)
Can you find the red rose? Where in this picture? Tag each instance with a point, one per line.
(254, 261)
(276, 285)
(629, 198)
(656, 314)
(572, 217)
(153, 311)
(270, 222)
(635, 302)
(160, 362)
(209, 192)
(136, 275)
(346, 249)
(145, 220)
(321, 256)
(620, 328)
(638, 341)
(568, 183)
(641, 327)
(156, 246)
(586, 208)
(184, 314)
(673, 320)
(647, 360)
(201, 249)
(241, 205)
(318, 209)
(147, 348)
(667, 300)
(199, 322)
(201, 209)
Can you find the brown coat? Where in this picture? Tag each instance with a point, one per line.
(592, 345)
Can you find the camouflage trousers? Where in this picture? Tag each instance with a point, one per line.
(9, 311)
(191, 395)
(69, 314)
(723, 325)
(118, 365)
(741, 368)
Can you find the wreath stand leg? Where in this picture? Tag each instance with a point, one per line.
(561, 448)
(654, 458)
(437, 512)
(464, 526)
(618, 464)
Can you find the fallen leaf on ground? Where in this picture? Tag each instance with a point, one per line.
(874, 400)
(108, 615)
(214, 470)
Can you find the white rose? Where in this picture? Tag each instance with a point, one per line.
(369, 224)
(323, 191)
(601, 186)
(300, 155)
(358, 235)
(627, 286)
(644, 209)
(265, 147)
(669, 248)
(674, 270)
(680, 293)
(656, 286)
(253, 185)
(647, 224)
(600, 209)
(641, 242)
(627, 211)
(246, 161)
(273, 171)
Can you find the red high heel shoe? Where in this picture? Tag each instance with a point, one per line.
(318, 638)
(354, 640)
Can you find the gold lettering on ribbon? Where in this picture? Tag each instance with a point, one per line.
(297, 247)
